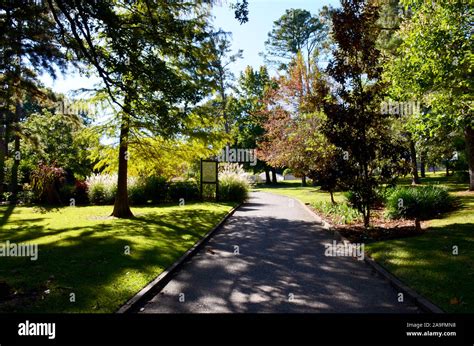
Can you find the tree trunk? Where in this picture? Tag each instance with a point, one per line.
(422, 164)
(417, 225)
(274, 177)
(414, 169)
(15, 166)
(366, 201)
(121, 206)
(469, 136)
(331, 193)
(303, 180)
(17, 118)
(447, 168)
(367, 217)
(3, 152)
(267, 175)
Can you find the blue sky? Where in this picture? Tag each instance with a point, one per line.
(249, 37)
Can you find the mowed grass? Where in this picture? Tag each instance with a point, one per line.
(426, 262)
(306, 194)
(82, 251)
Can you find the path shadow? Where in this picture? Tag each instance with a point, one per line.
(91, 261)
(277, 258)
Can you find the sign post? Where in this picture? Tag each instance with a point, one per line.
(209, 175)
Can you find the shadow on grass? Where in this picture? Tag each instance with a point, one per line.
(429, 264)
(6, 213)
(92, 262)
(451, 182)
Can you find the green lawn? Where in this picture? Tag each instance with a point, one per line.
(425, 262)
(307, 194)
(82, 251)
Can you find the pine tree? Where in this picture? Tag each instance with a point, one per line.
(153, 59)
(28, 47)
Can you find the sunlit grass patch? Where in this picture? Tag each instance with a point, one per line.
(84, 252)
(306, 194)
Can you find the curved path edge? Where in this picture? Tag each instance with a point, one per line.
(157, 284)
(422, 302)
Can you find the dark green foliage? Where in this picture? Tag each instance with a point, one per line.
(101, 194)
(137, 194)
(420, 202)
(26, 197)
(155, 189)
(233, 190)
(28, 47)
(66, 192)
(59, 138)
(142, 191)
(241, 11)
(340, 213)
(461, 176)
(297, 31)
(188, 190)
(354, 120)
(380, 195)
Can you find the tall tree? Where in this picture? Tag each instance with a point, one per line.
(153, 59)
(224, 77)
(28, 46)
(435, 64)
(252, 88)
(294, 136)
(295, 31)
(392, 14)
(355, 123)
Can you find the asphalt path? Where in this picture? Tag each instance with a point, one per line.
(270, 256)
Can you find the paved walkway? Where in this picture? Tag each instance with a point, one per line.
(280, 267)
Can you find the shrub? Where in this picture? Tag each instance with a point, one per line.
(380, 195)
(136, 191)
(66, 192)
(208, 191)
(156, 189)
(97, 194)
(340, 213)
(183, 189)
(419, 203)
(81, 192)
(461, 176)
(102, 188)
(233, 187)
(26, 197)
(46, 180)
